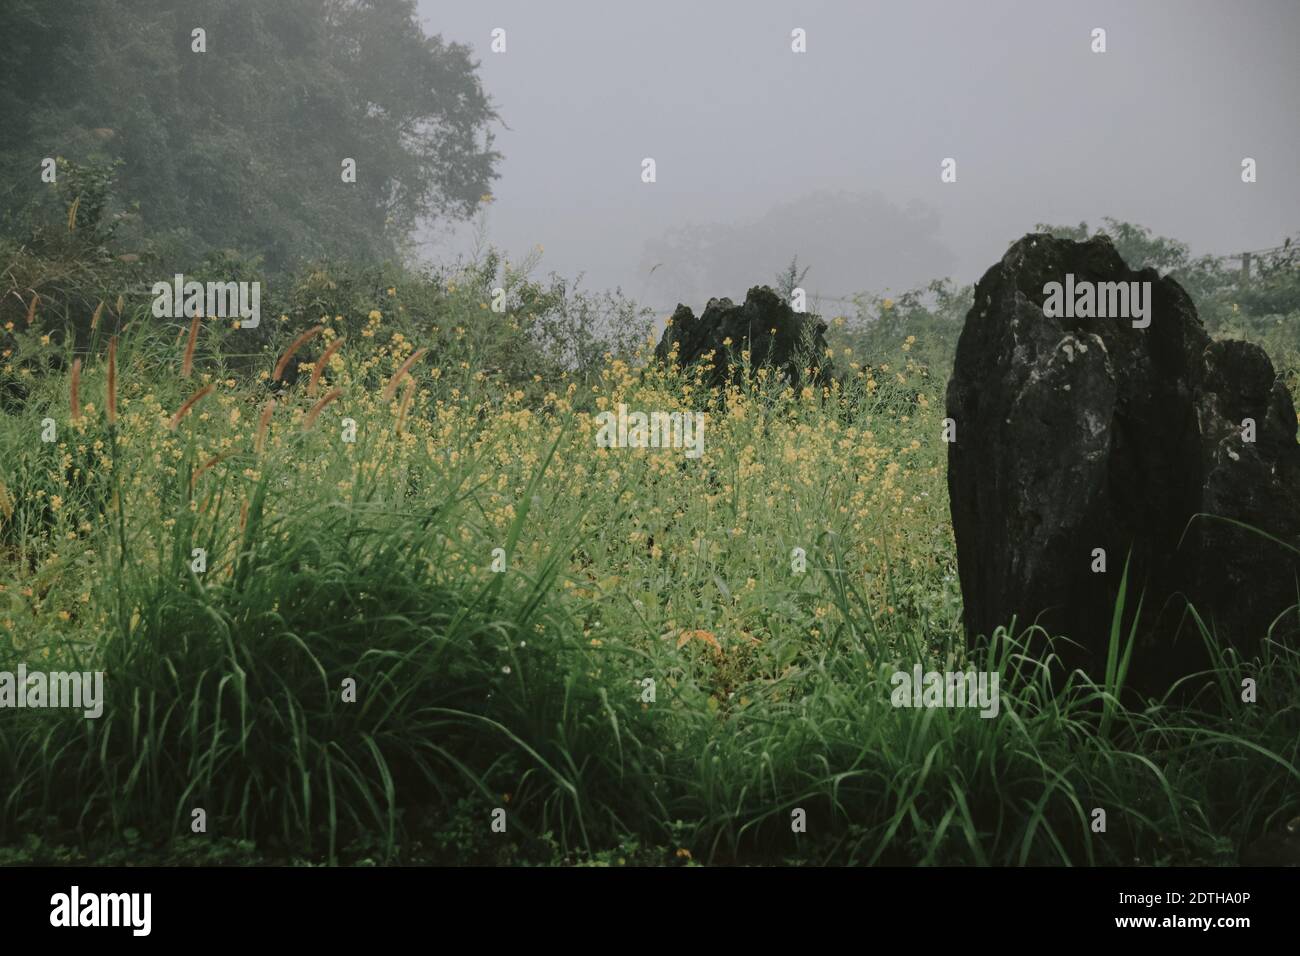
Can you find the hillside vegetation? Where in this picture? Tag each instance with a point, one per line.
(671, 657)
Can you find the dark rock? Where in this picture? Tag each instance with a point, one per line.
(773, 333)
(1082, 433)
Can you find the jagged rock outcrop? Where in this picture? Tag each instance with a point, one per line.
(1085, 432)
(765, 326)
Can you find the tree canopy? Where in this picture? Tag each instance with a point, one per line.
(242, 146)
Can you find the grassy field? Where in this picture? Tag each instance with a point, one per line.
(657, 675)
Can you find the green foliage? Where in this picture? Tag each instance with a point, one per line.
(1136, 245)
(1274, 288)
(228, 694)
(205, 159)
(1265, 310)
(521, 691)
(552, 333)
(790, 278)
(1226, 302)
(925, 322)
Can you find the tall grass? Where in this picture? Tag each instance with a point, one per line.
(326, 562)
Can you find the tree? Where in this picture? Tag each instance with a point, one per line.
(242, 145)
(790, 278)
(1140, 248)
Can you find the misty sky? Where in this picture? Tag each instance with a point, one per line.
(834, 154)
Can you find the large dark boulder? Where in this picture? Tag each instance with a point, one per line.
(774, 335)
(1080, 433)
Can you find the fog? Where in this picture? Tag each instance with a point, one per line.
(834, 154)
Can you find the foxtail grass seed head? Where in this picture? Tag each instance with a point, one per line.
(74, 387)
(396, 380)
(297, 343)
(407, 393)
(321, 363)
(94, 319)
(263, 423)
(310, 419)
(112, 381)
(189, 404)
(31, 307)
(199, 471)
